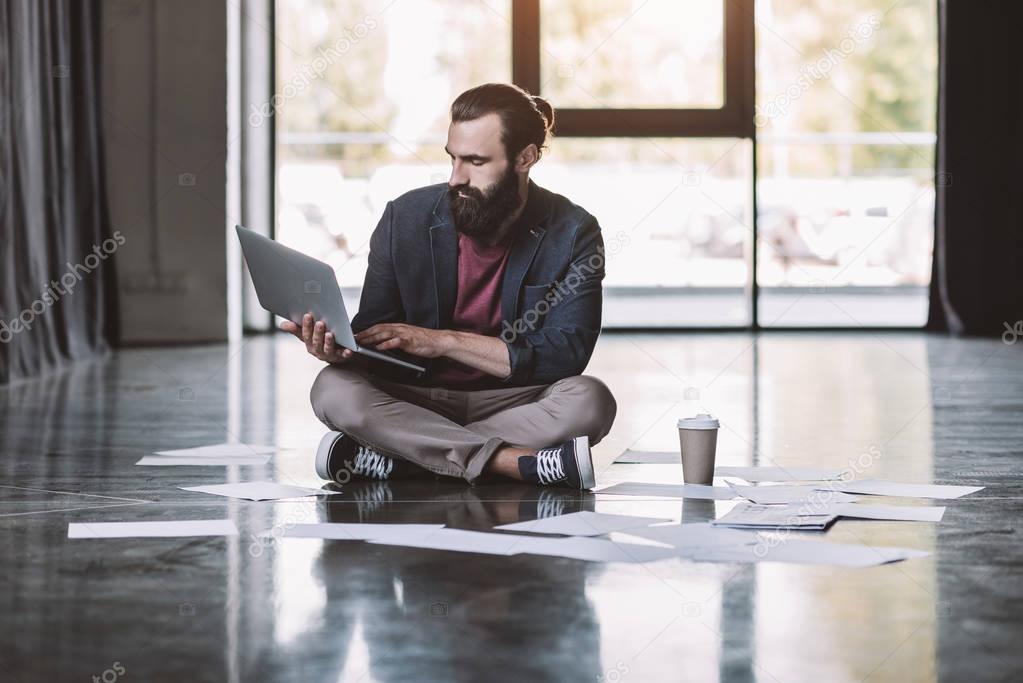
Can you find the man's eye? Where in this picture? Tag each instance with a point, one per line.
(477, 162)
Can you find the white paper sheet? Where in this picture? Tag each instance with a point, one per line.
(191, 527)
(888, 512)
(748, 515)
(787, 473)
(202, 460)
(343, 531)
(456, 540)
(593, 549)
(223, 450)
(259, 490)
(698, 535)
(650, 457)
(584, 523)
(799, 551)
(637, 488)
(766, 495)
(576, 547)
(876, 487)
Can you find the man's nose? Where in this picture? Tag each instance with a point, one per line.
(458, 176)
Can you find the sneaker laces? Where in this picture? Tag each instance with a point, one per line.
(369, 463)
(549, 467)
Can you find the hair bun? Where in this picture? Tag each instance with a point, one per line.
(545, 109)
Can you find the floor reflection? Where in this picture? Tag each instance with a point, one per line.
(215, 609)
(369, 612)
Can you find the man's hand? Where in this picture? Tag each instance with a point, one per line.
(418, 341)
(318, 342)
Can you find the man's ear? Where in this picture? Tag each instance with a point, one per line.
(527, 158)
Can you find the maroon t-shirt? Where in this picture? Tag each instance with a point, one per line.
(477, 305)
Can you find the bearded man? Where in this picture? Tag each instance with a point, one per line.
(494, 284)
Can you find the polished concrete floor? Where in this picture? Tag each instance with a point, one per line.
(926, 409)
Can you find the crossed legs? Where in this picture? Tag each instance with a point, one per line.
(460, 433)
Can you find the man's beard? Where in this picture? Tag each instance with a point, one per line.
(479, 215)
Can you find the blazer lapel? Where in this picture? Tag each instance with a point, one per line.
(444, 245)
(523, 252)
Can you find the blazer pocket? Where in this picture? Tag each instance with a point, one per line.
(535, 304)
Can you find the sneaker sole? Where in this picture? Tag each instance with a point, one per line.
(323, 454)
(584, 463)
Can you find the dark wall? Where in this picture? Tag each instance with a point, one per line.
(977, 286)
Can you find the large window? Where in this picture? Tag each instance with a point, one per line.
(845, 119)
(658, 128)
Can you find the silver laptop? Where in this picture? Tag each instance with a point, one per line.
(291, 284)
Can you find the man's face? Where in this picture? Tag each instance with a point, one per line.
(484, 187)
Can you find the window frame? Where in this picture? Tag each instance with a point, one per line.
(734, 119)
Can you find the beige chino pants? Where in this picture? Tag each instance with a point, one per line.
(455, 433)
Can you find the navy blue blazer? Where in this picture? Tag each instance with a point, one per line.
(550, 297)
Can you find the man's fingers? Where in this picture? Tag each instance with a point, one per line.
(392, 343)
(307, 327)
(380, 330)
(318, 332)
(375, 337)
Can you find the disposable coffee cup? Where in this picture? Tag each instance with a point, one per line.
(698, 440)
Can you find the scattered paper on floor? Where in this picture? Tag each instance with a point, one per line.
(163, 529)
(877, 487)
(650, 457)
(259, 490)
(766, 495)
(350, 531)
(223, 450)
(635, 488)
(799, 551)
(202, 461)
(584, 523)
(779, 473)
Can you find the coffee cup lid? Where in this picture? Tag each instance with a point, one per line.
(701, 421)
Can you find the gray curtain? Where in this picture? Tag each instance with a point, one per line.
(56, 249)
